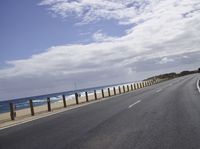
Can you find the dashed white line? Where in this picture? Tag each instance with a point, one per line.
(158, 90)
(130, 106)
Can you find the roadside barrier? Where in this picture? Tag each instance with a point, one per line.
(115, 91)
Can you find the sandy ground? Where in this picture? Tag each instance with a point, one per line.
(54, 106)
(39, 110)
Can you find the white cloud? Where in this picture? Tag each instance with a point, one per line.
(102, 37)
(161, 29)
(165, 60)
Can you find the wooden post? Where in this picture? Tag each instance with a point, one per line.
(31, 107)
(76, 97)
(135, 87)
(86, 96)
(114, 90)
(127, 88)
(124, 88)
(102, 91)
(12, 111)
(119, 90)
(109, 92)
(95, 95)
(132, 87)
(48, 104)
(64, 101)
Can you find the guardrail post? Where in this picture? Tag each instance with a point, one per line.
(132, 87)
(12, 111)
(48, 104)
(124, 88)
(135, 87)
(31, 107)
(108, 91)
(142, 84)
(76, 97)
(114, 90)
(86, 96)
(127, 88)
(95, 95)
(102, 92)
(119, 89)
(64, 101)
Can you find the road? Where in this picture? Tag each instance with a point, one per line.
(162, 116)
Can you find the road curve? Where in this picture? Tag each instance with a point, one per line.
(162, 116)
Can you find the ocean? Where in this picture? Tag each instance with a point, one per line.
(23, 103)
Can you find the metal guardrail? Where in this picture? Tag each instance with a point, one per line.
(121, 89)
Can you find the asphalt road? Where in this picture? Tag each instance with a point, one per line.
(162, 116)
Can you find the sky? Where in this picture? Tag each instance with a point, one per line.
(48, 46)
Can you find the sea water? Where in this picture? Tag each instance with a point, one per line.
(23, 103)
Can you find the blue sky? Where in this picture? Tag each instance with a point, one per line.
(28, 29)
(48, 45)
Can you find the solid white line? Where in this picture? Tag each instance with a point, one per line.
(130, 106)
(32, 119)
(54, 113)
(198, 87)
(158, 90)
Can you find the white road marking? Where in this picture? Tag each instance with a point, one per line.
(26, 121)
(198, 87)
(50, 114)
(130, 106)
(158, 90)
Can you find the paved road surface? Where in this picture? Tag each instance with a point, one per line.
(162, 116)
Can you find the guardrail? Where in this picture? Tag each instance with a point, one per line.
(111, 91)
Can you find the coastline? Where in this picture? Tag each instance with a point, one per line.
(55, 106)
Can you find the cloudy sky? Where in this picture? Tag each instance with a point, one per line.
(48, 45)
